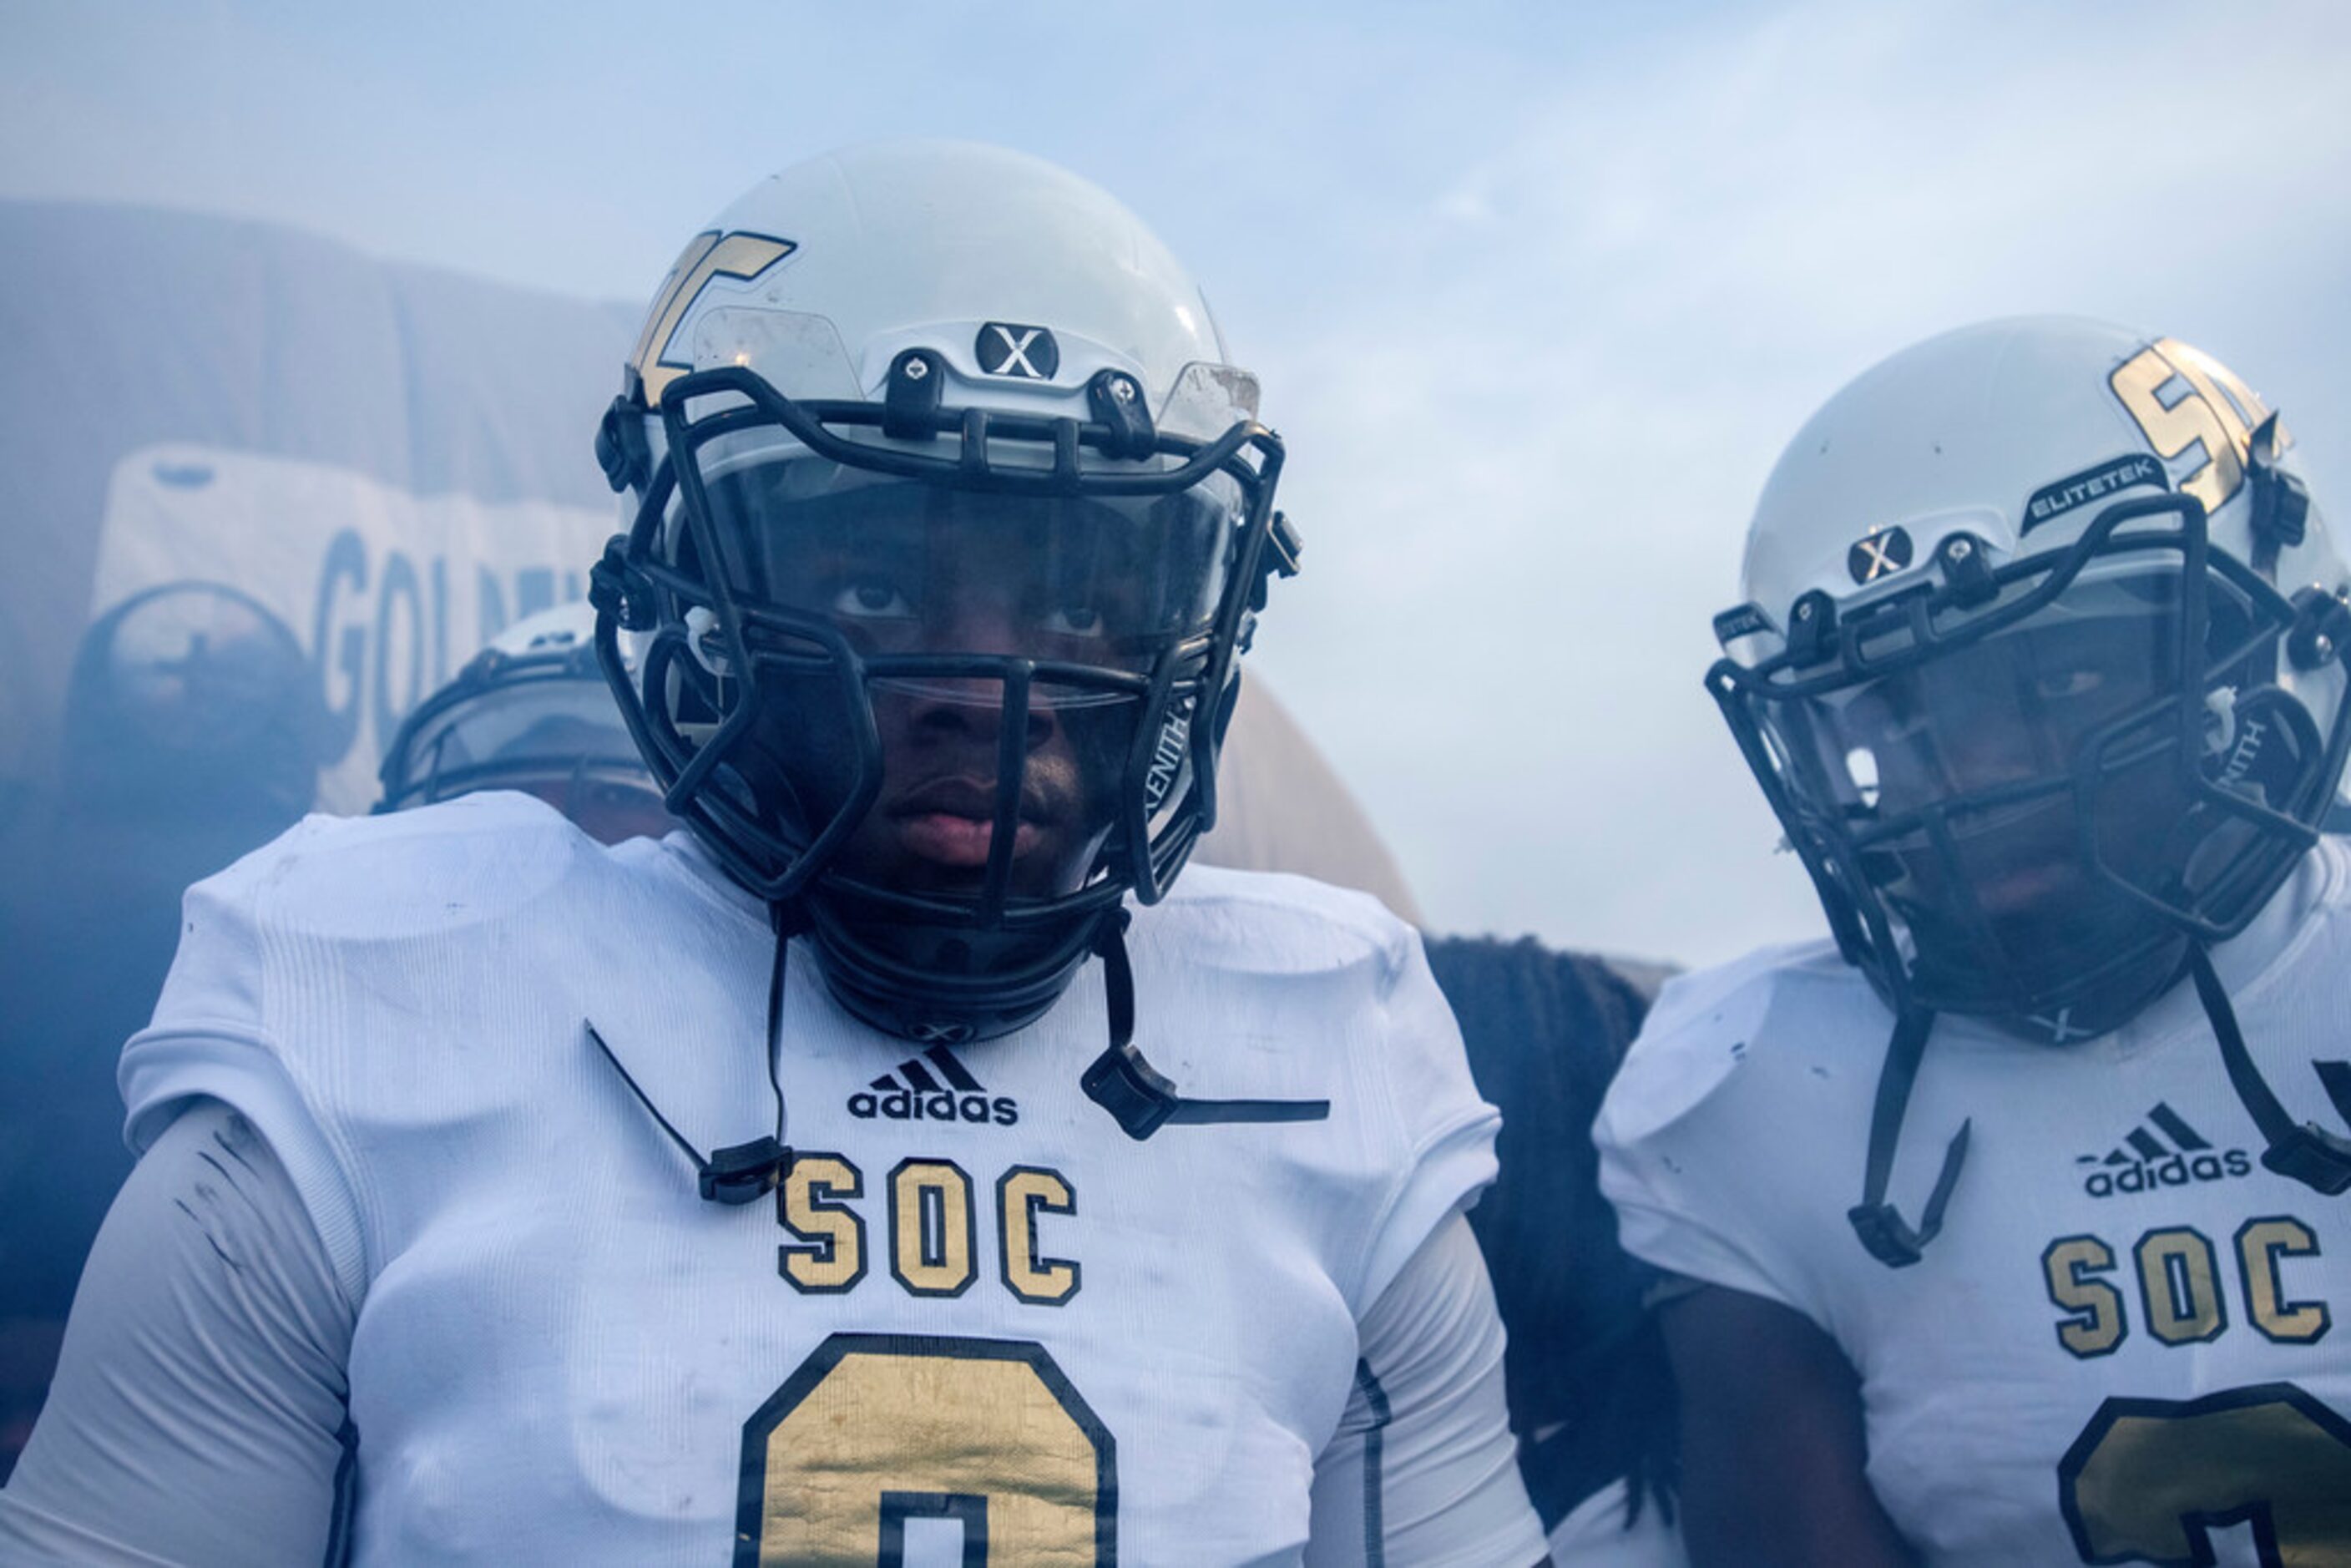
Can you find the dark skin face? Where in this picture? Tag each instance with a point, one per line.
(905, 572)
(2005, 712)
(2011, 711)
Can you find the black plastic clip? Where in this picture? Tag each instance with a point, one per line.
(1811, 627)
(2322, 624)
(1116, 400)
(1140, 1099)
(1280, 558)
(1286, 544)
(1967, 579)
(744, 1172)
(618, 589)
(1886, 1236)
(912, 396)
(732, 1175)
(2313, 1156)
(2281, 516)
(621, 449)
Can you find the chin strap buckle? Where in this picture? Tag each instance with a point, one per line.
(2304, 1152)
(2313, 1156)
(1887, 1237)
(732, 1175)
(1139, 1097)
(1883, 1231)
(743, 1172)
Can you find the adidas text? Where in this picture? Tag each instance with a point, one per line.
(2179, 1170)
(907, 1105)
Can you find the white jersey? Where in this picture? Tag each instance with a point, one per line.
(2119, 1346)
(976, 1306)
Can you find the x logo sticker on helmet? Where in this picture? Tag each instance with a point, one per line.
(1878, 553)
(1006, 349)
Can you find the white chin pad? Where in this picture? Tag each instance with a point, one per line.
(2220, 721)
(702, 636)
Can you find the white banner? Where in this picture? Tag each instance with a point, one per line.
(387, 592)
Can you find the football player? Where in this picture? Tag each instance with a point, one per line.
(2042, 670)
(530, 712)
(897, 1167)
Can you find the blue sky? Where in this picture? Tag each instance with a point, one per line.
(1537, 291)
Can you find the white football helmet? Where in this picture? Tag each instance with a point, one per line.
(947, 519)
(530, 712)
(2041, 668)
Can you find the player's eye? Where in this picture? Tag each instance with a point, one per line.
(1075, 620)
(872, 598)
(2068, 685)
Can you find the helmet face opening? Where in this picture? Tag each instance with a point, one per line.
(2022, 795)
(948, 702)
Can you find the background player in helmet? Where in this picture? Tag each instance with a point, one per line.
(553, 1181)
(2041, 669)
(530, 712)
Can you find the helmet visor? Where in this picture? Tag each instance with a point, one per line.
(902, 568)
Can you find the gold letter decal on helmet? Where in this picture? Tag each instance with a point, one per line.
(2217, 410)
(709, 254)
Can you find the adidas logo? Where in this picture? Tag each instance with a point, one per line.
(2145, 1162)
(943, 1092)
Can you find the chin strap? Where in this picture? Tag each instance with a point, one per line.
(2306, 1152)
(740, 1172)
(1140, 1098)
(1880, 1227)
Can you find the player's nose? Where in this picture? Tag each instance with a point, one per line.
(974, 706)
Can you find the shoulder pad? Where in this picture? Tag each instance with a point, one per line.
(1293, 924)
(1703, 1027)
(458, 862)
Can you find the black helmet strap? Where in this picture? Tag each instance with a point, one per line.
(2304, 1151)
(1882, 1229)
(1138, 1096)
(740, 1172)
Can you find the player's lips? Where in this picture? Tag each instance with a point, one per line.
(952, 822)
(2028, 888)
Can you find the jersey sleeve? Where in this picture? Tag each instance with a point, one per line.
(1422, 1470)
(217, 1033)
(1699, 1147)
(1448, 1129)
(198, 1415)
